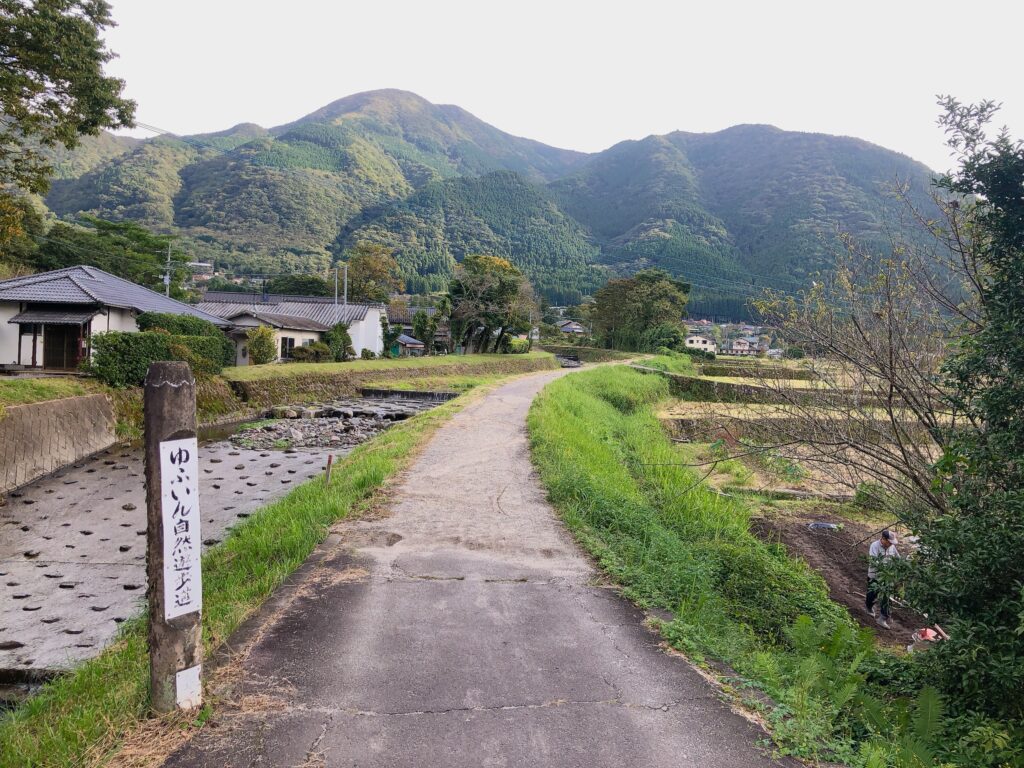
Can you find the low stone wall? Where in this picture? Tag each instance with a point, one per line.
(40, 438)
(694, 388)
(756, 371)
(321, 387)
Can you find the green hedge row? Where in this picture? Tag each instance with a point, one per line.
(187, 325)
(121, 359)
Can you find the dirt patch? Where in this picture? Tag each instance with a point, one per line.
(841, 559)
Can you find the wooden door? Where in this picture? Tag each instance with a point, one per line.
(60, 346)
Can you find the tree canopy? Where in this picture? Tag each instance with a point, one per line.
(122, 248)
(300, 285)
(490, 299)
(52, 86)
(373, 273)
(627, 311)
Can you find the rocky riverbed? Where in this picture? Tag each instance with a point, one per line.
(341, 424)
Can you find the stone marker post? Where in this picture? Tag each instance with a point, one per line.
(174, 542)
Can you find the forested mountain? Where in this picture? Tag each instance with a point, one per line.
(500, 214)
(729, 211)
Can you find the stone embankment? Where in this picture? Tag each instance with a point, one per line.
(340, 424)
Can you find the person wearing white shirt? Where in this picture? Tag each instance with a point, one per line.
(881, 550)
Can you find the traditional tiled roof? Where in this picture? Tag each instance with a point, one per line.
(90, 285)
(53, 317)
(402, 314)
(409, 341)
(320, 311)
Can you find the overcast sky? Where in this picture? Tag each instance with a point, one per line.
(581, 75)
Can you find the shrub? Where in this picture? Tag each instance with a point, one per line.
(518, 346)
(367, 354)
(317, 352)
(187, 325)
(340, 343)
(121, 359)
(262, 345)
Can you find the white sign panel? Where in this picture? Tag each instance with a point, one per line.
(179, 497)
(188, 691)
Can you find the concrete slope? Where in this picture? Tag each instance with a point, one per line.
(466, 629)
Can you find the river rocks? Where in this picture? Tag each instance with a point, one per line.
(340, 424)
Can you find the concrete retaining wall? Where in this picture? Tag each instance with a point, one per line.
(40, 438)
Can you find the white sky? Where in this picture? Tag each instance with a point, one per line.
(581, 75)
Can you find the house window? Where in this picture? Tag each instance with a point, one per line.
(287, 345)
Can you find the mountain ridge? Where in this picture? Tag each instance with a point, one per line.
(430, 181)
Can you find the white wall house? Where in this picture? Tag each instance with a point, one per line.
(296, 320)
(47, 320)
(702, 343)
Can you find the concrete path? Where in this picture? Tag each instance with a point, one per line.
(465, 629)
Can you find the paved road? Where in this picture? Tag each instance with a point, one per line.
(465, 629)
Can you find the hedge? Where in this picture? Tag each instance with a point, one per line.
(121, 359)
(187, 325)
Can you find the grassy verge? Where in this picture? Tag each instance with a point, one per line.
(674, 363)
(672, 542)
(25, 391)
(277, 370)
(81, 718)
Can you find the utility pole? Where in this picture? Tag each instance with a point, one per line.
(335, 286)
(167, 273)
(346, 283)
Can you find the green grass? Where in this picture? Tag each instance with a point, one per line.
(674, 543)
(20, 391)
(674, 363)
(277, 370)
(81, 718)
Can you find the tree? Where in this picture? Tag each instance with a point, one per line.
(262, 345)
(919, 359)
(969, 571)
(122, 248)
(424, 327)
(300, 285)
(627, 308)
(490, 299)
(52, 86)
(340, 342)
(373, 273)
(20, 225)
(389, 334)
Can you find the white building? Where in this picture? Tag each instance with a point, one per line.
(702, 343)
(47, 320)
(296, 320)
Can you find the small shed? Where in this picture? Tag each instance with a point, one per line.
(407, 346)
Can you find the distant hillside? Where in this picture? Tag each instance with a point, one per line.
(730, 211)
(738, 209)
(500, 214)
